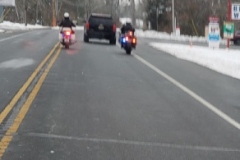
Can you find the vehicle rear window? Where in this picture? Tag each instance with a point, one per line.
(100, 20)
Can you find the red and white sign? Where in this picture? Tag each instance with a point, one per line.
(7, 3)
(213, 32)
(213, 19)
(178, 33)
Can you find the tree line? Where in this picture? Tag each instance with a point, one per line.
(191, 15)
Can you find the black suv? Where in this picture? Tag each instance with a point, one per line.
(100, 26)
(236, 37)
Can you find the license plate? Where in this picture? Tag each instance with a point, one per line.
(66, 39)
(101, 27)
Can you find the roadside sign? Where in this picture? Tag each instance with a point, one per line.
(235, 11)
(7, 3)
(214, 35)
(228, 30)
(213, 19)
(178, 33)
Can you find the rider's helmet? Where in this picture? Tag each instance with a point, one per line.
(129, 28)
(128, 24)
(66, 15)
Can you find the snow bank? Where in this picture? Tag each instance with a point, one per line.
(6, 25)
(166, 36)
(221, 60)
(17, 26)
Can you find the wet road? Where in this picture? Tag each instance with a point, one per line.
(95, 102)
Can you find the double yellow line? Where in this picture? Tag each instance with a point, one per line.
(6, 139)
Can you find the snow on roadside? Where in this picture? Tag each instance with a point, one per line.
(166, 36)
(6, 25)
(221, 60)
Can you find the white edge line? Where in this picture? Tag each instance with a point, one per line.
(18, 35)
(129, 142)
(191, 93)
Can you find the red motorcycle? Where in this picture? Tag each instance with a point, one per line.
(67, 37)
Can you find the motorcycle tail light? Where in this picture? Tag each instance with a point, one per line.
(68, 33)
(134, 40)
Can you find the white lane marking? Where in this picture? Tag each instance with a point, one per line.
(18, 35)
(137, 143)
(190, 92)
(17, 63)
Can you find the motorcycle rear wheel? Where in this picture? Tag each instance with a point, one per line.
(128, 51)
(67, 46)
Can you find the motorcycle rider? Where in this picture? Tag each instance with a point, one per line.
(66, 22)
(125, 28)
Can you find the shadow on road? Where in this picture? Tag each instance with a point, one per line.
(103, 43)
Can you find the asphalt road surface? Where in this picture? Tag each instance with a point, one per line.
(94, 102)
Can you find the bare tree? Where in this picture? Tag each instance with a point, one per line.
(192, 15)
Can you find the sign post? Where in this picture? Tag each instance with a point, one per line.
(229, 19)
(213, 33)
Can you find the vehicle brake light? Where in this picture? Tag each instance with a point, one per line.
(114, 28)
(130, 33)
(87, 25)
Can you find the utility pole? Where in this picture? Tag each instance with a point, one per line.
(229, 18)
(37, 11)
(173, 17)
(157, 14)
(133, 13)
(53, 12)
(118, 8)
(56, 8)
(111, 7)
(25, 11)
(87, 8)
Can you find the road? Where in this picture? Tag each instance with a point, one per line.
(95, 102)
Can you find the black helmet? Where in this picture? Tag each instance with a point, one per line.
(128, 24)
